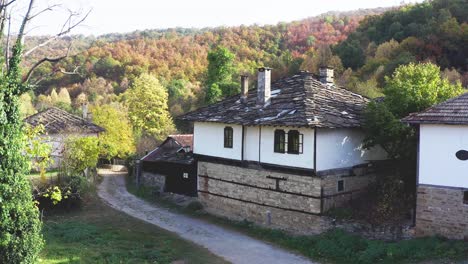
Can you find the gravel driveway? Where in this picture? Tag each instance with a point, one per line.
(230, 245)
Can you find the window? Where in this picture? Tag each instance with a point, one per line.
(295, 140)
(280, 140)
(228, 136)
(340, 185)
(462, 155)
(465, 197)
(185, 175)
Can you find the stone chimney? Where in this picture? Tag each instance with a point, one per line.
(326, 75)
(84, 109)
(264, 85)
(244, 88)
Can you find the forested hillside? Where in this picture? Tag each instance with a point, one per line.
(363, 46)
(435, 31)
(108, 64)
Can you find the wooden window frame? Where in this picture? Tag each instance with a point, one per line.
(228, 137)
(299, 149)
(338, 186)
(279, 145)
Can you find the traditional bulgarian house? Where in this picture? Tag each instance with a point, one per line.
(171, 166)
(283, 154)
(60, 125)
(442, 178)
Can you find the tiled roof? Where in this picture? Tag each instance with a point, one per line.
(453, 111)
(299, 100)
(169, 150)
(56, 120)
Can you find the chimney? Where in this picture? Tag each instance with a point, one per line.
(244, 88)
(264, 85)
(84, 109)
(326, 74)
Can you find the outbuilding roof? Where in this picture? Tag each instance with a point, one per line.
(299, 100)
(56, 120)
(173, 149)
(453, 111)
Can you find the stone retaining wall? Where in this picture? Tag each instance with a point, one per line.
(153, 180)
(441, 211)
(268, 198)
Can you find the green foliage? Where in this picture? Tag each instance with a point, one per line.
(20, 227)
(432, 30)
(415, 87)
(412, 88)
(220, 71)
(37, 149)
(26, 105)
(147, 107)
(118, 139)
(80, 153)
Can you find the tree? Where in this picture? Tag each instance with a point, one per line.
(64, 97)
(26, 106)
(219, 75)
(20, 226)
(53, 96)
(412, 88)
(117, 140)
(147, 107)
(80, 154)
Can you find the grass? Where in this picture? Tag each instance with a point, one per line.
(99, 234)
(335, 246)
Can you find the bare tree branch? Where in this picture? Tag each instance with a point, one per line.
(20, 37)
(3, 5)
(38, 63)
(65, 30)
(49, 8)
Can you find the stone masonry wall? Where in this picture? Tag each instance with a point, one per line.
(441, 211)
(153, 180)
(353, 187)
(269, 198)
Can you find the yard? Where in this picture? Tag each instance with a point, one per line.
(335, 246)
(99, 234)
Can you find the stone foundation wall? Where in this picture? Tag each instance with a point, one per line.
(296, 222)
(441, 211)
(153, 180)
(269, 198)
(353, 188)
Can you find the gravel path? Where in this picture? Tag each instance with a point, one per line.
(232, 246)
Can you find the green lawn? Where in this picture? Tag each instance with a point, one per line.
(336, 246)
(100, 234)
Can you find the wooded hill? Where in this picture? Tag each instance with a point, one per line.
(108, 64)
(363, 46)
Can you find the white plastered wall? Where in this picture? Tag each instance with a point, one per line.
(438, 164)
(342, 148)
(209, 140)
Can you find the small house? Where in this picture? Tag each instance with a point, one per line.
(171, 166)
(282, 154)
(442, 174)
(59, 125)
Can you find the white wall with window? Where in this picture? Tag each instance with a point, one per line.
(342, 148)
(294, 149)
(443, 157)
(210, 139)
